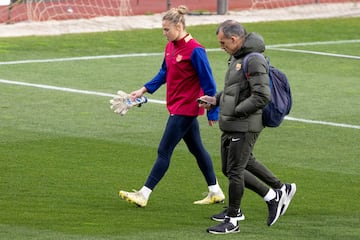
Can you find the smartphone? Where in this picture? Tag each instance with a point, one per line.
(202, 101)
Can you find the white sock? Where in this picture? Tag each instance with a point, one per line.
(214, 188)
(270, 195)
(146, 192)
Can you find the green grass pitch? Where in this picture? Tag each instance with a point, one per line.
(64, 155)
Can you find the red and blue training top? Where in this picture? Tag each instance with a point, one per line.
(187, 74)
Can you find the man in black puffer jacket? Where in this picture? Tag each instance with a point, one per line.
(241, 103)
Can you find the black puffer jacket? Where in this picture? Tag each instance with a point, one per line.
(242, 100)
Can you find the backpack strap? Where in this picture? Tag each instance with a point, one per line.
(246, 60)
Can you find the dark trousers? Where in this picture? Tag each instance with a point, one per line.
(256, 171)
(177, 128)
(242, 169)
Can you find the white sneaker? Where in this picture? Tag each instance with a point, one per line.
(211, 198)
(135, 197)
(290, 190)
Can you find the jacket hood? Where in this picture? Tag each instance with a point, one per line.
(253, 43)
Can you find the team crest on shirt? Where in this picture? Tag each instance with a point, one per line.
(238, 66)
(179, 58)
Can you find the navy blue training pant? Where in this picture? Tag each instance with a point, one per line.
(177, 128)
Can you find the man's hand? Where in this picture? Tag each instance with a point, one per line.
(207, 102)
(212, 122)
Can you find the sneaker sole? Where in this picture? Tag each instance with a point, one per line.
(222, 219)
(218, 201)
(209, 202)
(288, 200)
(236, 230)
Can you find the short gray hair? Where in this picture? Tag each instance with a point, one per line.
(231, 28)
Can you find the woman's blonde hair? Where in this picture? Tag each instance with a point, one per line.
(176, 15)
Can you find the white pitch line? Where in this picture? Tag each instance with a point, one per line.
(314, 43)
(72, 90)
(315, 53)
(270, 47)
(81, 58)
(322, 122)
(43, 86)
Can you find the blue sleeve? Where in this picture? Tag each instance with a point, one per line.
(158, 80)
(201, 65)
(213, 114)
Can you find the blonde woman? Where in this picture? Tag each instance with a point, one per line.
(187, 75)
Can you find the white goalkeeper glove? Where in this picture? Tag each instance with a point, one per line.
(122, 102)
